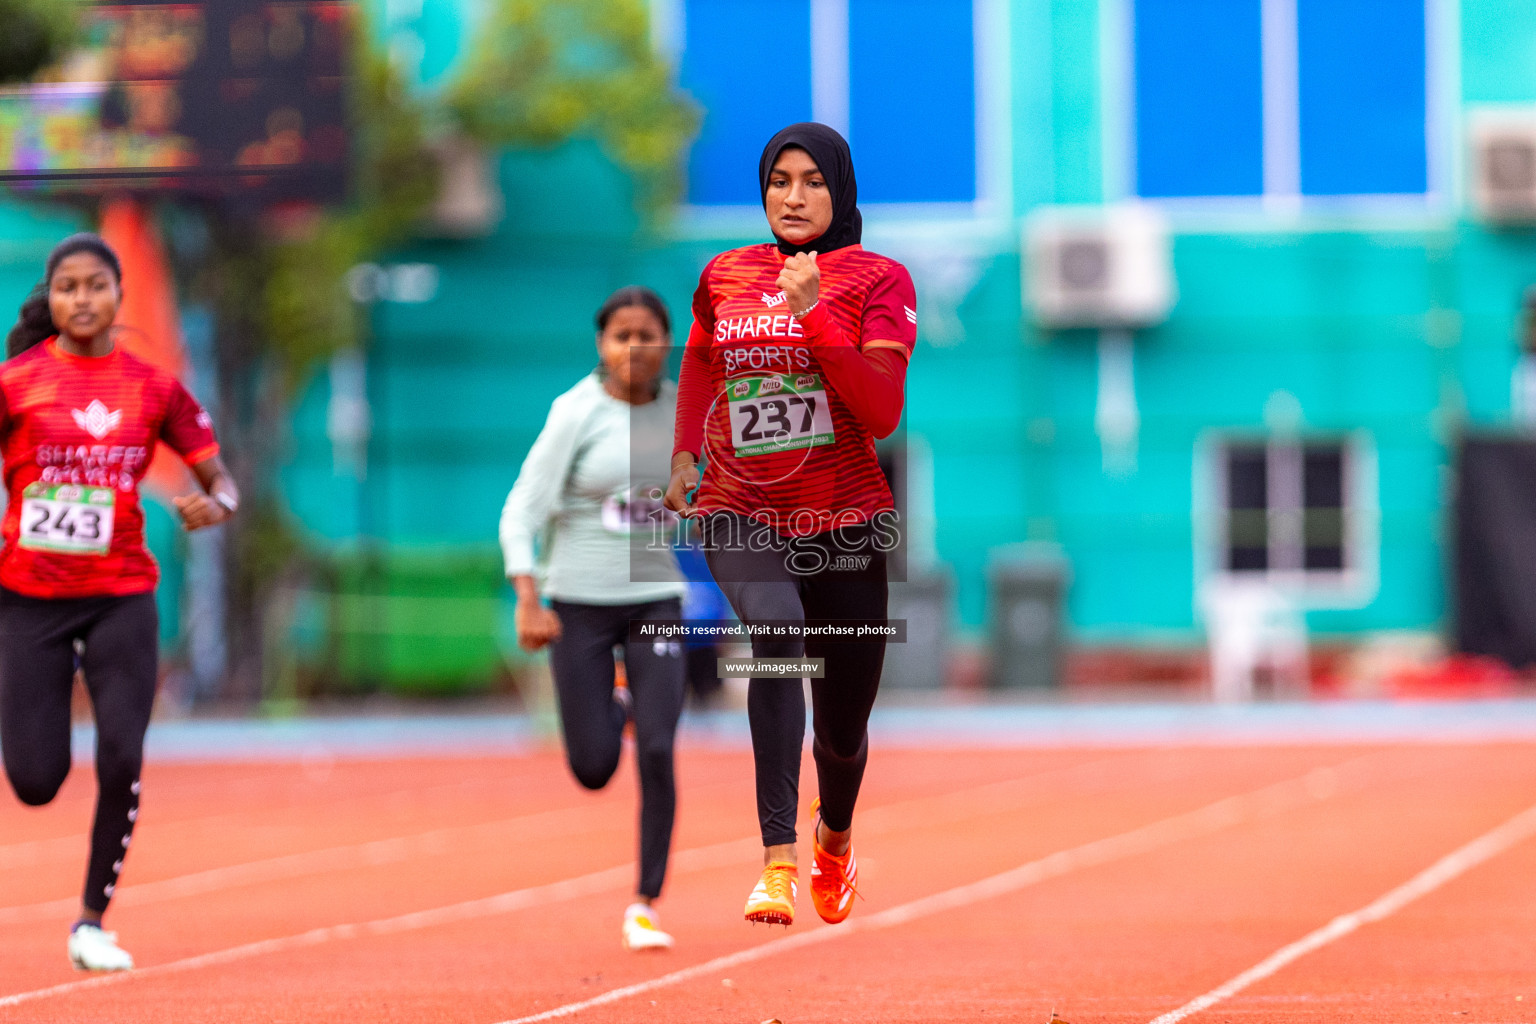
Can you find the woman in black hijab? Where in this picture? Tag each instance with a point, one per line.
(828, 152)
(795, 364)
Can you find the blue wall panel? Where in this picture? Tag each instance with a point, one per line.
(1361, 65)
(748, 63)
(912, 100)
(1199, 98)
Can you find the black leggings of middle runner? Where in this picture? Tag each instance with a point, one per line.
(37, 669)
(839, 575)
(593, 722)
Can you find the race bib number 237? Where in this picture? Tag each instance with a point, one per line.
(778, 413)
(67, 518)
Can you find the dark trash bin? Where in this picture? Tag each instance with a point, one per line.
(924, 602)
(1026, 590)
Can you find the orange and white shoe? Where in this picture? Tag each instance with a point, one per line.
(773, 898)
(834, 880)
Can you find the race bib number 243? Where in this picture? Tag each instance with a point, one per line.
(67, 518)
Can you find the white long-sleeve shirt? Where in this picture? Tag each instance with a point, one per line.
(590, 499)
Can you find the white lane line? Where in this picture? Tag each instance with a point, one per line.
(731, 851)
(31, 852)
(518, 899)
(698, 858)
(543, 825)
(376, 853)
(36, 851)
(1316, 785)
(1517, 829)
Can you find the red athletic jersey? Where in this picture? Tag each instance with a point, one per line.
(77, 434)
(778, 428)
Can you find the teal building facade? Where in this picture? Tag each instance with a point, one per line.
(1341, 316)
(1371, 313)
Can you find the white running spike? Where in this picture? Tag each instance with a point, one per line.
(640, 931)
(91, 949)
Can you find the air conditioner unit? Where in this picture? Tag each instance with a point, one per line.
(1099, 266)
(1502, 164)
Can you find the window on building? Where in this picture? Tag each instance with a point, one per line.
(897, 77)
(1265, 98)
(1289, 510)
(750, 82)
(1199, 98)
(912, 90)
(1361, 72)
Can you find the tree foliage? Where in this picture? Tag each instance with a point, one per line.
(307, 309)
(539, 72)
(34, 35)
(543, 72)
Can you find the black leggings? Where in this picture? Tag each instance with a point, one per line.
(593, 722)
(836, 575)
(37, 668)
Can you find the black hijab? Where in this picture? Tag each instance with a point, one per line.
(830, 152)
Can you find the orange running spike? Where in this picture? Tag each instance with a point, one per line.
(773, 898)
(834, 880)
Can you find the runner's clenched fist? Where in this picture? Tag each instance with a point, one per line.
(801, 281)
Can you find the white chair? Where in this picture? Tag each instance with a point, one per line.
(1252, 624)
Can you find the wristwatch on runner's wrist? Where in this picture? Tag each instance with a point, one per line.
(226, 502)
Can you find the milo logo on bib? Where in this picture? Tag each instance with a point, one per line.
(779, 413)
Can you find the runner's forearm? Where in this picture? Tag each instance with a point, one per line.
(526, 588)
(694, 393)
(872, 384)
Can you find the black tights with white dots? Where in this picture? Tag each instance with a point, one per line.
(120, 660)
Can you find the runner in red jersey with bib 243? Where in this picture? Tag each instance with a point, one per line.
(79, 421)
(795, 365)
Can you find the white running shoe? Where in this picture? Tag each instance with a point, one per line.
(640, 931)
(91, 949)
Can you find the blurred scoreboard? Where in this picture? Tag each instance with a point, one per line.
(240, 100)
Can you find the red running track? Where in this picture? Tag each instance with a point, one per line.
(1107, 885)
